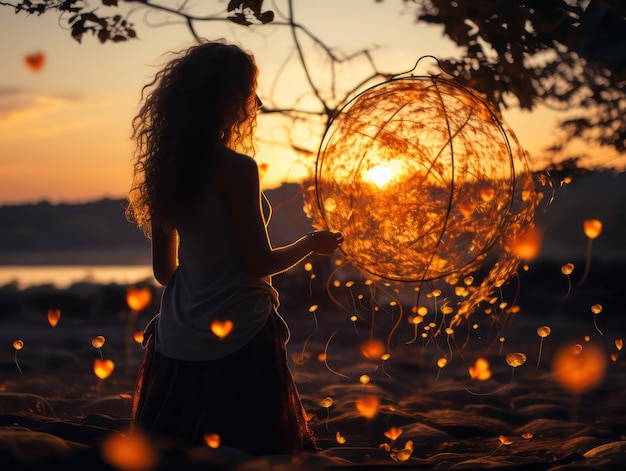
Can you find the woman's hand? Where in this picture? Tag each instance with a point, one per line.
(326, 242)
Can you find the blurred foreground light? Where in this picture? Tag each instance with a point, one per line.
(579, 369)
(129, 452)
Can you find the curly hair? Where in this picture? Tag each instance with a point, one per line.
(201, 100)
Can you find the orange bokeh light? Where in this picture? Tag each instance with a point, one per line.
(372, 349)
(527, 244)
(138, 336)
(35, 62)
(480, 370)
(53, 317)
(592, 228)
(213, 440)
(393, 433)
(129, 452)
(103, 368)
(579, 369)
(138, 298)
(368, 406)
(221, 328)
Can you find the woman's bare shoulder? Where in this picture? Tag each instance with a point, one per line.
(232, 172)
(233, 164)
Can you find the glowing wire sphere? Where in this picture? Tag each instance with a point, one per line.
(422, 177)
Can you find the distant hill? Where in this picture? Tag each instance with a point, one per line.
(98, 233)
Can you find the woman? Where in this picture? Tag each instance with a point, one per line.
(215, 361)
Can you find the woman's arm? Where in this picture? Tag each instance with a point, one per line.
(244, 201)
(164, 260)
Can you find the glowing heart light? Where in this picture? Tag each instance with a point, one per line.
(53, 317)
(393, 433)
(368, 406)
(35, 62)
(212, 440)
(103, 368)
(138, 299)
(222, 328)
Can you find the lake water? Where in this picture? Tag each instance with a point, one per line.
(63, 276)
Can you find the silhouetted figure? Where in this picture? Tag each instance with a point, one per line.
(215, 360)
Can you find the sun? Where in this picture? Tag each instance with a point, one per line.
(380, 175)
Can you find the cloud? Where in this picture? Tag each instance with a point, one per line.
(17, 104)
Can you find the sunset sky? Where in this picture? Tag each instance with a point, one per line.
(64, 131)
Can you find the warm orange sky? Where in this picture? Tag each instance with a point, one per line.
(64, 132)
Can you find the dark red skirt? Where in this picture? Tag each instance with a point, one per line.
(248, 398)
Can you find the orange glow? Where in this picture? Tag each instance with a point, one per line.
(138, 298)
(543, 331)
(129, 452)
(596, 308)
(515, 359)
(480, 370)
(263, 168)
(103, 368)
(138, 336)
(98, 342)
(221, 328)
(53, 317)
(504, 440)
(393, 433)
(567, 269)
(527, 435)
(404, 454)
(340, 439)
(619, 343)
(368, 406)
(592, 228)
(35, 62)
(327, 402)
(579, 372)
(487, 194)
(18, 344)
(212, 440)
(442, 362)
(364, 379)
(372, 349)
(527, 244)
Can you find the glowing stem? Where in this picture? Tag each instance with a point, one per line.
(596, 325)
(539, 357)
(18, 365)
(569, 287)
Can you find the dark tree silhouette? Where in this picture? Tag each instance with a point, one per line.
(565, 54)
